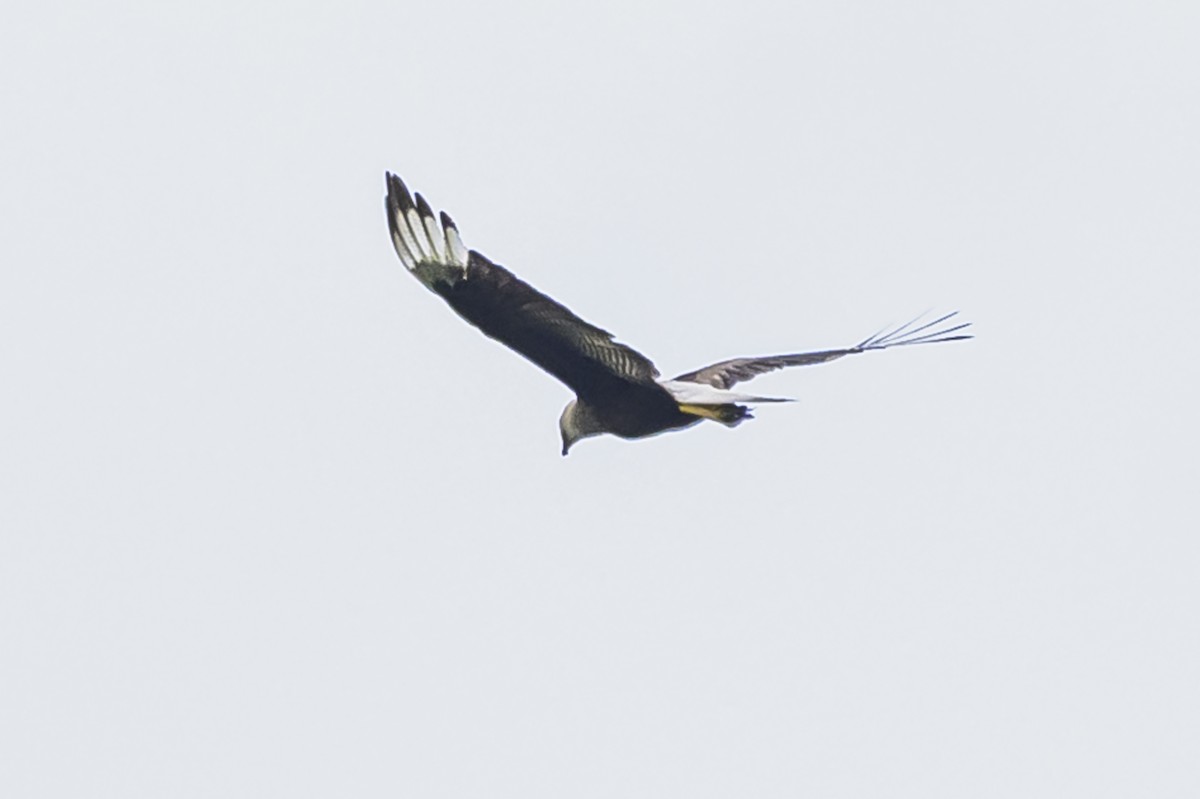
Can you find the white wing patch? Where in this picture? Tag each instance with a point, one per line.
(457, 252)
(428, 244)
(417, 231)
(687, 393)
(436, 237)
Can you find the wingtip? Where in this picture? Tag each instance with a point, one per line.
(400, 210)
(398, 193)
(422, 206)
(913, 333)
(418, 233)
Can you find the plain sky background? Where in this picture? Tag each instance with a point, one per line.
(275, 522)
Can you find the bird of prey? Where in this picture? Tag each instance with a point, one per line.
(617, 389)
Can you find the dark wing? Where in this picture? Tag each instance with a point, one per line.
(726, 373)
(506, 308)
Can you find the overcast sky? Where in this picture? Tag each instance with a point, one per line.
(275, 522)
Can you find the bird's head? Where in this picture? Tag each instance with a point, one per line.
(576, 422)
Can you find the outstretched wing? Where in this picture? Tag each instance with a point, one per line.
(727, 373)
(504, 307)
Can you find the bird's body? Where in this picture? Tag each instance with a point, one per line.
(618, 390)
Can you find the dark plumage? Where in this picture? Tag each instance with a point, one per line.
(618, 390)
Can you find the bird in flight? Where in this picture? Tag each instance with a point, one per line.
(617, 389)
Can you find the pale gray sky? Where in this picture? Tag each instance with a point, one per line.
(277, 523)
